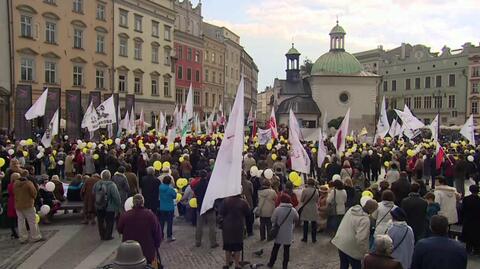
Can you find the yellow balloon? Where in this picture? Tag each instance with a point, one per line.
(2, 162)
(96, 156)
(109, 141)
(257, 145)
(89, 145)
(193, 203)
(37, 218)
(386, 163)
(411, 152)
(166, 164)
(199, 142)
(245, 148)
(269, 146)
(274, 156)
(293, 175)
(182, 182)
(85, 150)
(29, 142)
(297, 182)
(171, 147)
(181, 159)
(25, 154)
(157, 165)
(314, 150)
(179, 197)
(54, 152)
(367, 193)
(212, 142)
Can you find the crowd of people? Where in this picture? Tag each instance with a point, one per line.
(391, 205)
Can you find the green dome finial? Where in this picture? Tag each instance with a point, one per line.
(293, 50)
(337, 29)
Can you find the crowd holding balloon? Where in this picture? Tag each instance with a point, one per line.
(394, 203)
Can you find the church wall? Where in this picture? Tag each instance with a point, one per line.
(362, 94)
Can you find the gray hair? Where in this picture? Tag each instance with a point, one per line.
(150, 171)
(106, 175)
(383, 244)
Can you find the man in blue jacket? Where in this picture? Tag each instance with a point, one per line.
(166, 196)
(439, 251)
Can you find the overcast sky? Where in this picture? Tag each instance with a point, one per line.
(268, 27)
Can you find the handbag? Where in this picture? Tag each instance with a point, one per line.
(300, 210)
(157, 261)
(276, 227)
(332, 207)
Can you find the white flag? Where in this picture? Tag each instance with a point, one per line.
(163, 123)
(434, 128)
(226, 177)
(393, 128)
(339, 139)
(264, 136)
(468, 130)
(382, 125)
(131, 123)
(189, 104)
(409, 120)
(90, 119)
(141, 123)
(294, 126)
(126, 121)
(51, 131)
(273, 124)
(298, 155)
(322, 150)
(38, 108)
(107, 113)
(325, 125)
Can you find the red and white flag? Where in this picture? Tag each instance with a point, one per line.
(339, 139)
(272, 123)
(250, 116)
(298, 155)
(440, 155)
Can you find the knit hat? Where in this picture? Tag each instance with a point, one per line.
(398, 214)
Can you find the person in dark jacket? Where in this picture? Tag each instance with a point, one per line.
(401, 188)
(333, 168)
(149, 188)
(381, 258)
(460, 172)
(439, 251)
(233, 213)
(471, 220)
(208, 218)
(141, 225)
(416, 208)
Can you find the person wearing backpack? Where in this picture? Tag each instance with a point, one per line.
(107, 204)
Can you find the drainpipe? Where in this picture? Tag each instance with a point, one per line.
(465, 74)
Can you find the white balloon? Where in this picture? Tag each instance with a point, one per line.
(94, 145)
(39, 148)
(65, 137)
(118, 141)
(268, 173)
(79, 142)
(11, 152)
(130, 140)
(253, 171)
(259, 173)
(23, 142)
(122, 146)
(336, 177)
(128, 204)
(60, 162)
(143, 149)
(370, 152)
(364, 200)
(44, 210)
(470, 158)
(162, 147)
(50, 186)
(40, 155)
(152, 146)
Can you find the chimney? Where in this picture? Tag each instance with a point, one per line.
(402, 54)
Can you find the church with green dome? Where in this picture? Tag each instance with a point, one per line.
(336, 82)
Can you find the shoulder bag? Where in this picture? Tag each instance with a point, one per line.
(276, 227)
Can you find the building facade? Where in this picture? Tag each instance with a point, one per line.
(473, 92)
(429, 83)
(213, 68)
(264, 104)
(143, 40)
(62, 44)
(189, 47)
(5, 75)
(250, 72)
(233, 52)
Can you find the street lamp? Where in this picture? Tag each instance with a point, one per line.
(438, 94)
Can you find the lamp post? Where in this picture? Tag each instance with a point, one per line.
(438, 94)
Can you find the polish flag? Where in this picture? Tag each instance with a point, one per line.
(440, 155)
(339, 139)
(273, 124)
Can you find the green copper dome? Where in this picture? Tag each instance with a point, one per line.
(293, 51)
(336, 61)
(337, 29)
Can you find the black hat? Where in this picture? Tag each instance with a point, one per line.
(398, 214)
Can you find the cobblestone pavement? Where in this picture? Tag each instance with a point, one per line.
(74, 246)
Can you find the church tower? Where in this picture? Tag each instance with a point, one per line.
(293, 64)
(337, 38)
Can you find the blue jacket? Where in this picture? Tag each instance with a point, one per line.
(439, 252)
(166, 195)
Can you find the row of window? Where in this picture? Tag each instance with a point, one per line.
(138, 84)
(78, 8)
(189, 54)
(476, 71)
(181, 98)
(417, 83)
(213, 78)
(212, 57)
(138, 25)
(51, 35)
(138, 50)
(424, 102)
(188, 77)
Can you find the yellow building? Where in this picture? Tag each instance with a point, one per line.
(62, 44)
(143, 37)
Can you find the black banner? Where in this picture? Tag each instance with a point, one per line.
(74, 114)
(129, 102)
(23, 102)
(53, 103)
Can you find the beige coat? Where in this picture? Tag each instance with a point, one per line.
(266, 202)
(309, 211)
